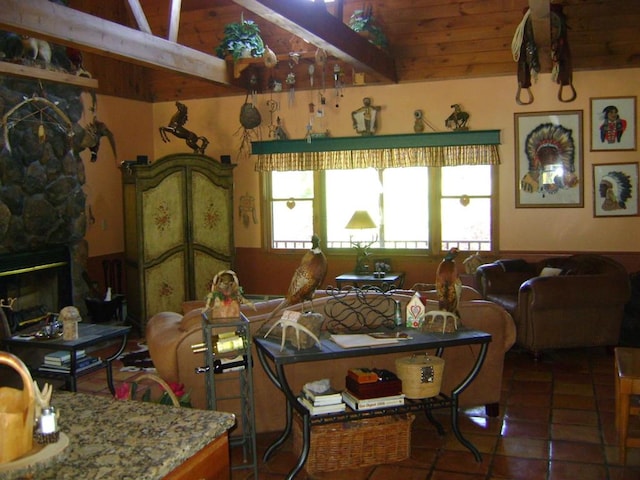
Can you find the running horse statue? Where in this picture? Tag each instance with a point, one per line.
(176, 127)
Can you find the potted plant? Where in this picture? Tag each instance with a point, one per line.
(241, 40)
(363, 22)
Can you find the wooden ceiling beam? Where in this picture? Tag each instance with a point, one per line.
(314, 24)
(541, 24)
(66, 26)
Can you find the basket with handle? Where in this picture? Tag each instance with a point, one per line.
(164, 385)
(17, 412)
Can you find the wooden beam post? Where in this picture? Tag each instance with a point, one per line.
(541, 24)
(318, 27)
(64, 25)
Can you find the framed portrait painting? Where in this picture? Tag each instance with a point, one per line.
(613, 123)
(615, 190)
(549, 165)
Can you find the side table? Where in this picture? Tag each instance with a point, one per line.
(89, 334)
(389, 281)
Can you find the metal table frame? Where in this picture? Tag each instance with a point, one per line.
(274, 362)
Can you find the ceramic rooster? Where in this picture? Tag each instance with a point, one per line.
(448, 285)
(307, 277)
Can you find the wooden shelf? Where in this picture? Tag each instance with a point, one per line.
(49, 75)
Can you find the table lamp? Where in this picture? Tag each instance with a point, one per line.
(361, 220)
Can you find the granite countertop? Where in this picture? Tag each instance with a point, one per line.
(126, 440)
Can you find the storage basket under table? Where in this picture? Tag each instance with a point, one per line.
(356, 443)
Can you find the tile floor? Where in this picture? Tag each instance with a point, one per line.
(556, 423)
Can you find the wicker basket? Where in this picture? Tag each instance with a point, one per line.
(356, 444)
(421, 375)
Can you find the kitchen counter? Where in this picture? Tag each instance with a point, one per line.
(122, 440)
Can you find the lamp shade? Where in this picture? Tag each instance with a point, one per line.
(360, 219)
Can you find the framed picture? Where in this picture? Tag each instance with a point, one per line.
(615, 190)
(613, 123)
(549, 171)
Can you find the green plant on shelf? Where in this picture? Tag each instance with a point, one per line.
(241, 40)
(362, 21)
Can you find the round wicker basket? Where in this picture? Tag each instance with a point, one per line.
(421, 375)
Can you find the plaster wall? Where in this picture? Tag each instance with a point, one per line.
(490, 102)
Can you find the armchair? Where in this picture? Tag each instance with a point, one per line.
(559, 302)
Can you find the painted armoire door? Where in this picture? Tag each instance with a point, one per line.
(178, 215)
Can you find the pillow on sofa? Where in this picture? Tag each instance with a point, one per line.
(550, 272)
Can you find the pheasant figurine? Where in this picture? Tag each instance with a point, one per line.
(448, 285)
(307, 277)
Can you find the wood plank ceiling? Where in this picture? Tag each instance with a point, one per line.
(429, 40)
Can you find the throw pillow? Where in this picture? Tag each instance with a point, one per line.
(550, 272)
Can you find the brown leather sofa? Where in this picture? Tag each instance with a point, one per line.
(580, 304)
(170, 336)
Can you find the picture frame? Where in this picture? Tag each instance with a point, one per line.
(613, 123)
(615, 190)
(549, 159)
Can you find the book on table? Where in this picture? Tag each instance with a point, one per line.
(81, 365)
(321, 409)
(60, 357)
(329, 396)
(356, 403)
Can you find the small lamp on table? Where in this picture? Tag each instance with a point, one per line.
(361, 220)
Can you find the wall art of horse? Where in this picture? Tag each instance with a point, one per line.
(176, 127)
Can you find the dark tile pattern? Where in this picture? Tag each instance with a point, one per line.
(556, 423)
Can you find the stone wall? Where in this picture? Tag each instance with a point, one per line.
(42, 202)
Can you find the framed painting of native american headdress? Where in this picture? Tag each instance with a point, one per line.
(549, 164)
(615, 190)
(613, 123)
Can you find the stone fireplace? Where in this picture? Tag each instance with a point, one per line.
(42, 202)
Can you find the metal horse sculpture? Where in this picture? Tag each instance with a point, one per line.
(176, 127)
(458, 119)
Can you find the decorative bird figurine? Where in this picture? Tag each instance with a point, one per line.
(307, 277)
(448, 285)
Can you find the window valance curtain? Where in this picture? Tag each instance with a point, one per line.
(448, 156)
(440, 149)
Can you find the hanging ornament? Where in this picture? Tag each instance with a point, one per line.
(337, 79)
(321, 61)
(270, 58)
(312, 69)
(291, 81)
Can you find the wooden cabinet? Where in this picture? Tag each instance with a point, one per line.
(178, 214)
(210, 463)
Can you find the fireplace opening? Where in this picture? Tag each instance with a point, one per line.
(34, 284)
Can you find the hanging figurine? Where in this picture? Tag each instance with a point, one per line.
(365, 119)
(338, 75)
(279, 133)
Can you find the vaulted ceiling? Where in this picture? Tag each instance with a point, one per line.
(428, 40)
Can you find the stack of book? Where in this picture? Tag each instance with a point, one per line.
(368, 389)
(60, 361)
(321, 403)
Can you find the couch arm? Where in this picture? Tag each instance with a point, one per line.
(541, 293)
(492, 279)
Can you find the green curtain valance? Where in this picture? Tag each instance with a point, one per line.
(389, 151)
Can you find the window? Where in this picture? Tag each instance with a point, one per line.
(402, 202)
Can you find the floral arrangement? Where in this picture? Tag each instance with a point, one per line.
(177, 397)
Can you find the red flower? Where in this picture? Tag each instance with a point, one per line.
(123, 392)
(177, 388)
